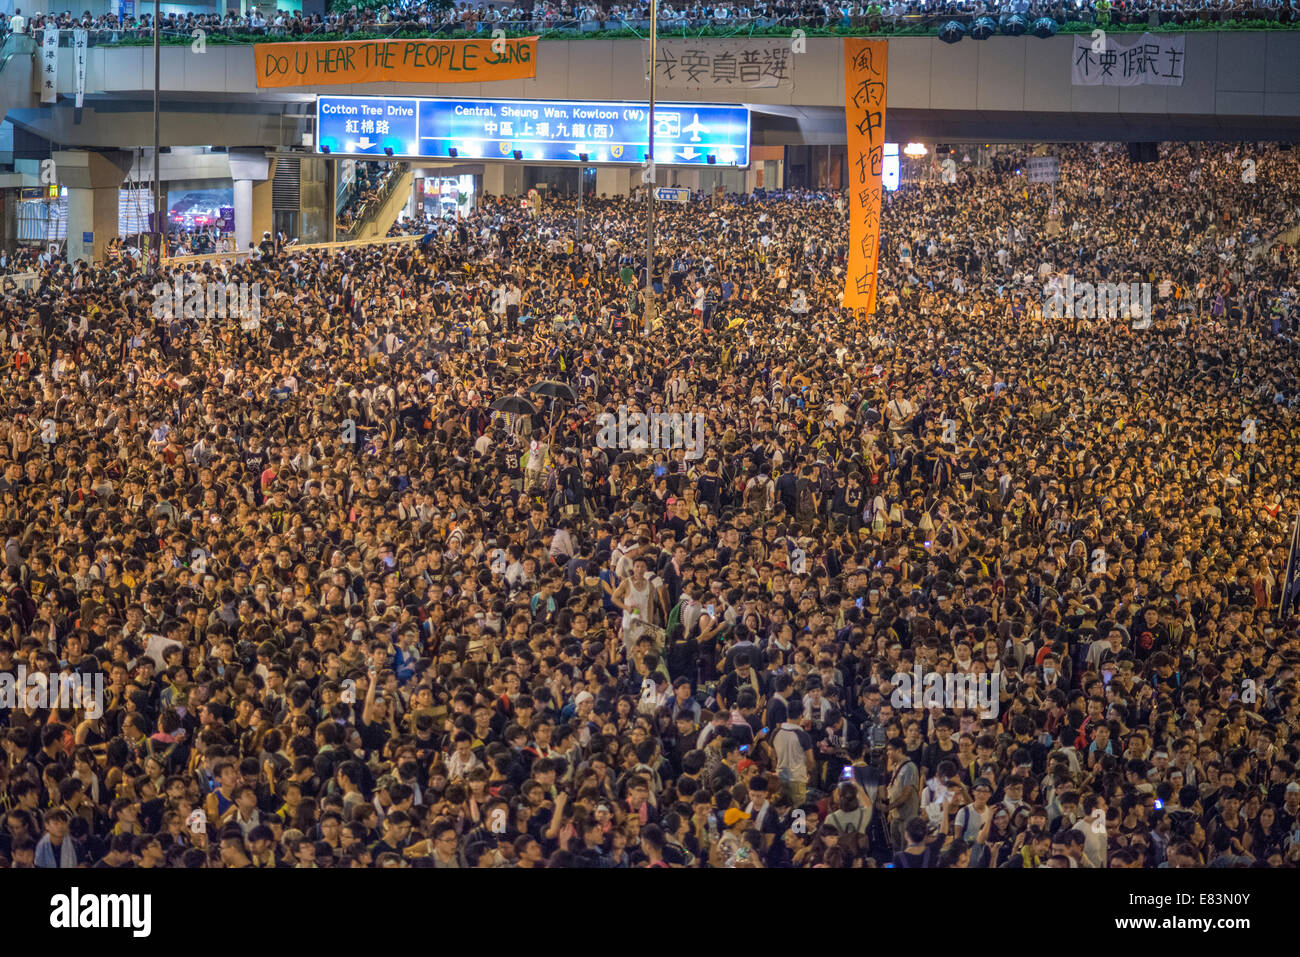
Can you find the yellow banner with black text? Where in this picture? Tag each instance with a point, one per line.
(395, 61)
(866, 67)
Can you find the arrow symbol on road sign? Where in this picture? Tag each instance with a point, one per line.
(689, 153)
(365, 143)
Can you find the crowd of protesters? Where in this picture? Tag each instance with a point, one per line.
(364, 583)
(265, 21)
(17, 260)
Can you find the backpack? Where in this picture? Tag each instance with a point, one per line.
(853, 831)
(961, 822)
(825, 480)
(804, 498)
(928, 857)
(757, 496)
(857, 824)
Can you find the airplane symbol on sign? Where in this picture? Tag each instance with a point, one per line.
(695, 128)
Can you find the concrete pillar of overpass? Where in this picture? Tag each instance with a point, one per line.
(614, 181)
(503, 179)
(93, 181)
(415, 202)
(773, 174)
(250, 170)
(243, 214)
(8, 219)
(263, 217)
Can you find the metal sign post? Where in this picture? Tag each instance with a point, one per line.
(650, 186)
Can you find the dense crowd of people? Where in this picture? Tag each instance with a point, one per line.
(267, 21)
(367, 583)
(19, 259)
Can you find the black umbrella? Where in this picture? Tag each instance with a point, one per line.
(952, 31)
(554, 390)
(1014, 25)
(513, 404)
(1044, 27)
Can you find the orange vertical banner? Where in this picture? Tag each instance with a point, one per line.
(866, 67)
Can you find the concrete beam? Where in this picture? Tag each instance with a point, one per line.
(249, 163)
(83, 169)
(93, 181)
(1244, 83)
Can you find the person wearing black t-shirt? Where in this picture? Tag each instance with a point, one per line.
(377, 723)
(922, 848)
(942, 748)
(709, 485)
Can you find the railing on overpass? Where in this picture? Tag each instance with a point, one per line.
(864, 21)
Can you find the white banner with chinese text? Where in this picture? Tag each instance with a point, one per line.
(79, 43)
(49, 65)
(705, 65)
(1152, 60)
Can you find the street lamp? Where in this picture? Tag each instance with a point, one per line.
(650, 167)
(583, 158)
(157, 184)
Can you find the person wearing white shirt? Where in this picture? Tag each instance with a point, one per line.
(462, 759)
(697, 303)
(933, 797)
(899, 411)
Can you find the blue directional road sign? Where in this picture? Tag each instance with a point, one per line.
(672, 194)
(366, 124)
(546, 131)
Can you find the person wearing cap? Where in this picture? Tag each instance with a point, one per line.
(972, 820)
(732, 848)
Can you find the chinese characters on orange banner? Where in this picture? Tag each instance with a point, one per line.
(866, 64)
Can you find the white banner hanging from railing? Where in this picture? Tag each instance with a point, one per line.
(718, 64)
(79, 44)
(50, 65)
(1106, 60)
